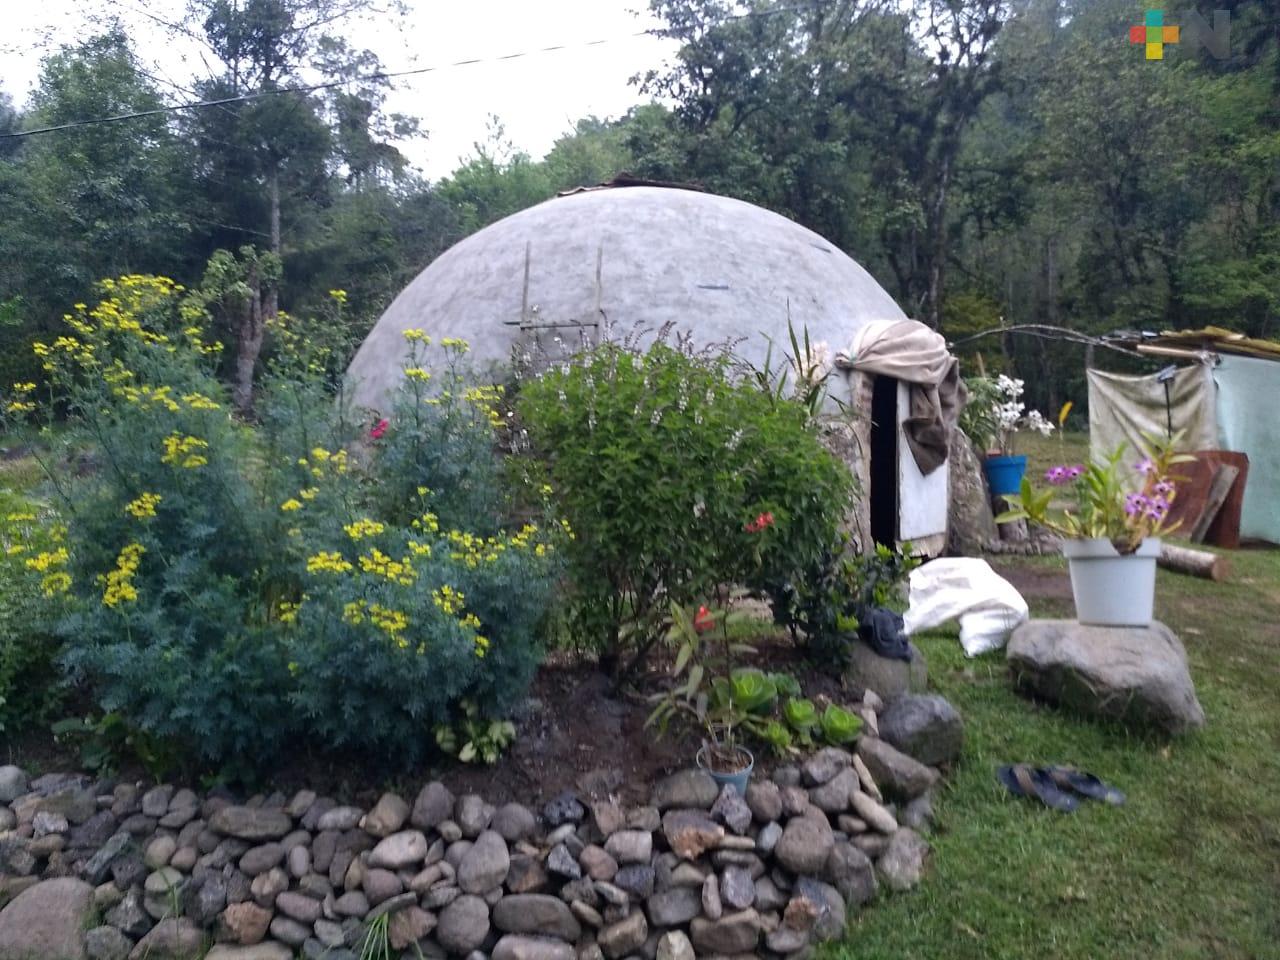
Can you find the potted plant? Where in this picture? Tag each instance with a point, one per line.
(1111, 535)
(725, 701)
(993, 416)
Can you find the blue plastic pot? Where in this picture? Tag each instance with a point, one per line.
(738, 778)
(1004, 475)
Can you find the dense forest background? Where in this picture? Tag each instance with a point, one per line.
(989, 161)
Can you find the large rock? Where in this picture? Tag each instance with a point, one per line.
(464, 924)
(804, 846)
(536, 913)
(399, 850)
(971, 525)
(13, 783)
(433, 806)
(1134, 674)
(387, 816)
(47, 921)
(690, 832)
(686, 788)
(674, 906)
(890, 678)
(896, 774)
(251, 823)
(624, 937)
(515, 947)
(485, 865)
(901, 866)
(733, 933)
(175, 939)
(923, 726)
(261, 951)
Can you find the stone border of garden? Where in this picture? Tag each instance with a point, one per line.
(122, 871)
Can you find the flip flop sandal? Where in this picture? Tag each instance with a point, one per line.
(1024, 781)
(1085, 784)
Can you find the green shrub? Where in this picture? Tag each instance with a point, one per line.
(676, 478)
(234, 589)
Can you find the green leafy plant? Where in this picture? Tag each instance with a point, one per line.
(474, 738)
(1107, 504)
(107, 742)
(840, 726)
(802, 716)
(659, 460)
(375, 944)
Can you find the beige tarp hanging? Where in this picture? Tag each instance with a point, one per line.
(1123, 408)
(909, 351)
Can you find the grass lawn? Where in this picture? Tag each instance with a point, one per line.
(1189, 868)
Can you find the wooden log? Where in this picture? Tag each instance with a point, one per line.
(1197, 563)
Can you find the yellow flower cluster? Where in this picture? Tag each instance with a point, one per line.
(288, 612)
(321, 459)
(291, 505)
(146, 396)
(363, 529)
(71, 347)
(144, 506)
(48, 560)
(198, 401)
(417, 373)
(416, 334)
(397, 571)
(339, 295)
(328, 562)
(487, 398)
(419, 549)
(119, 582)
(428, 521)
(22, 403)
(448, 599)
(455, 343)
(180, 451)
(392, 622)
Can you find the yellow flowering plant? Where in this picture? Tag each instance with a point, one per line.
(232, 587)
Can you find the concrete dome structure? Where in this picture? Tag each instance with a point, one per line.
(642, 256)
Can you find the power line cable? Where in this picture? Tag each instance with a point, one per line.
(380, 75)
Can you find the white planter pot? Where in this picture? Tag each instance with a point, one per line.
(1113, 589)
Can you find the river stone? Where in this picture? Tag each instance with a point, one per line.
(433, 806)
(737, 888)
(1137, 675)
(485, 865)
(514, 822)
(897, 774)
(47, 921)
(129, 914)
(830, 920)
(690, 832)
(379, 885)
(786, 940)
(399, 850)
(675, 945)
(562, 862)
(768, 837)
(890, 678)
(159, 851)
(674, 907)
(876, 816)
(835, 795)
(265, 887)
(536, 913)
(608, 818)
(260, 859)
(210, 899)
(516, 947)
(850, 871)
(526, 874)
(387, 816)
(244, 923)
(712, 905)
(636, 879)
(565, 808)
(686, 788)
(733, 933)
(298, 906)
(805, 845)
(353, 903)
(13, 783)
(406, 927)
(262, 951)
(339, 818)
(472, 815)
(173, 939)
(463, 924)
(768, 896)
(107, 943)
(901, 866)
(597, 863)
(625, 936)
(925, 727)
(251, 823)
(731, 809)
(97, 866)
(764, 800)
(289, 931)
(630, 846)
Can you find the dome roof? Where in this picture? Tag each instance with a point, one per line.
(715, 268)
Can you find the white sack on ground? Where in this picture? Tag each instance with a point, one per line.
(962, 588)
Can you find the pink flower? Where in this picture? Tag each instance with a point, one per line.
(1134, 504)
(1164, 488)
(379, 429)
(1144, 466)
(1075, 471)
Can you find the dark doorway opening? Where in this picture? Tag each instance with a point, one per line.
(884, 461)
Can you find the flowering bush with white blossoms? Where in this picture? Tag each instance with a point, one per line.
(996, 413)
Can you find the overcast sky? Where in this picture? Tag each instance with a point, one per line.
(537, 98)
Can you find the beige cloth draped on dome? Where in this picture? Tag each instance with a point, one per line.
(908, 350)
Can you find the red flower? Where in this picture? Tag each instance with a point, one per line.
(703, 621)
(381, 428)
